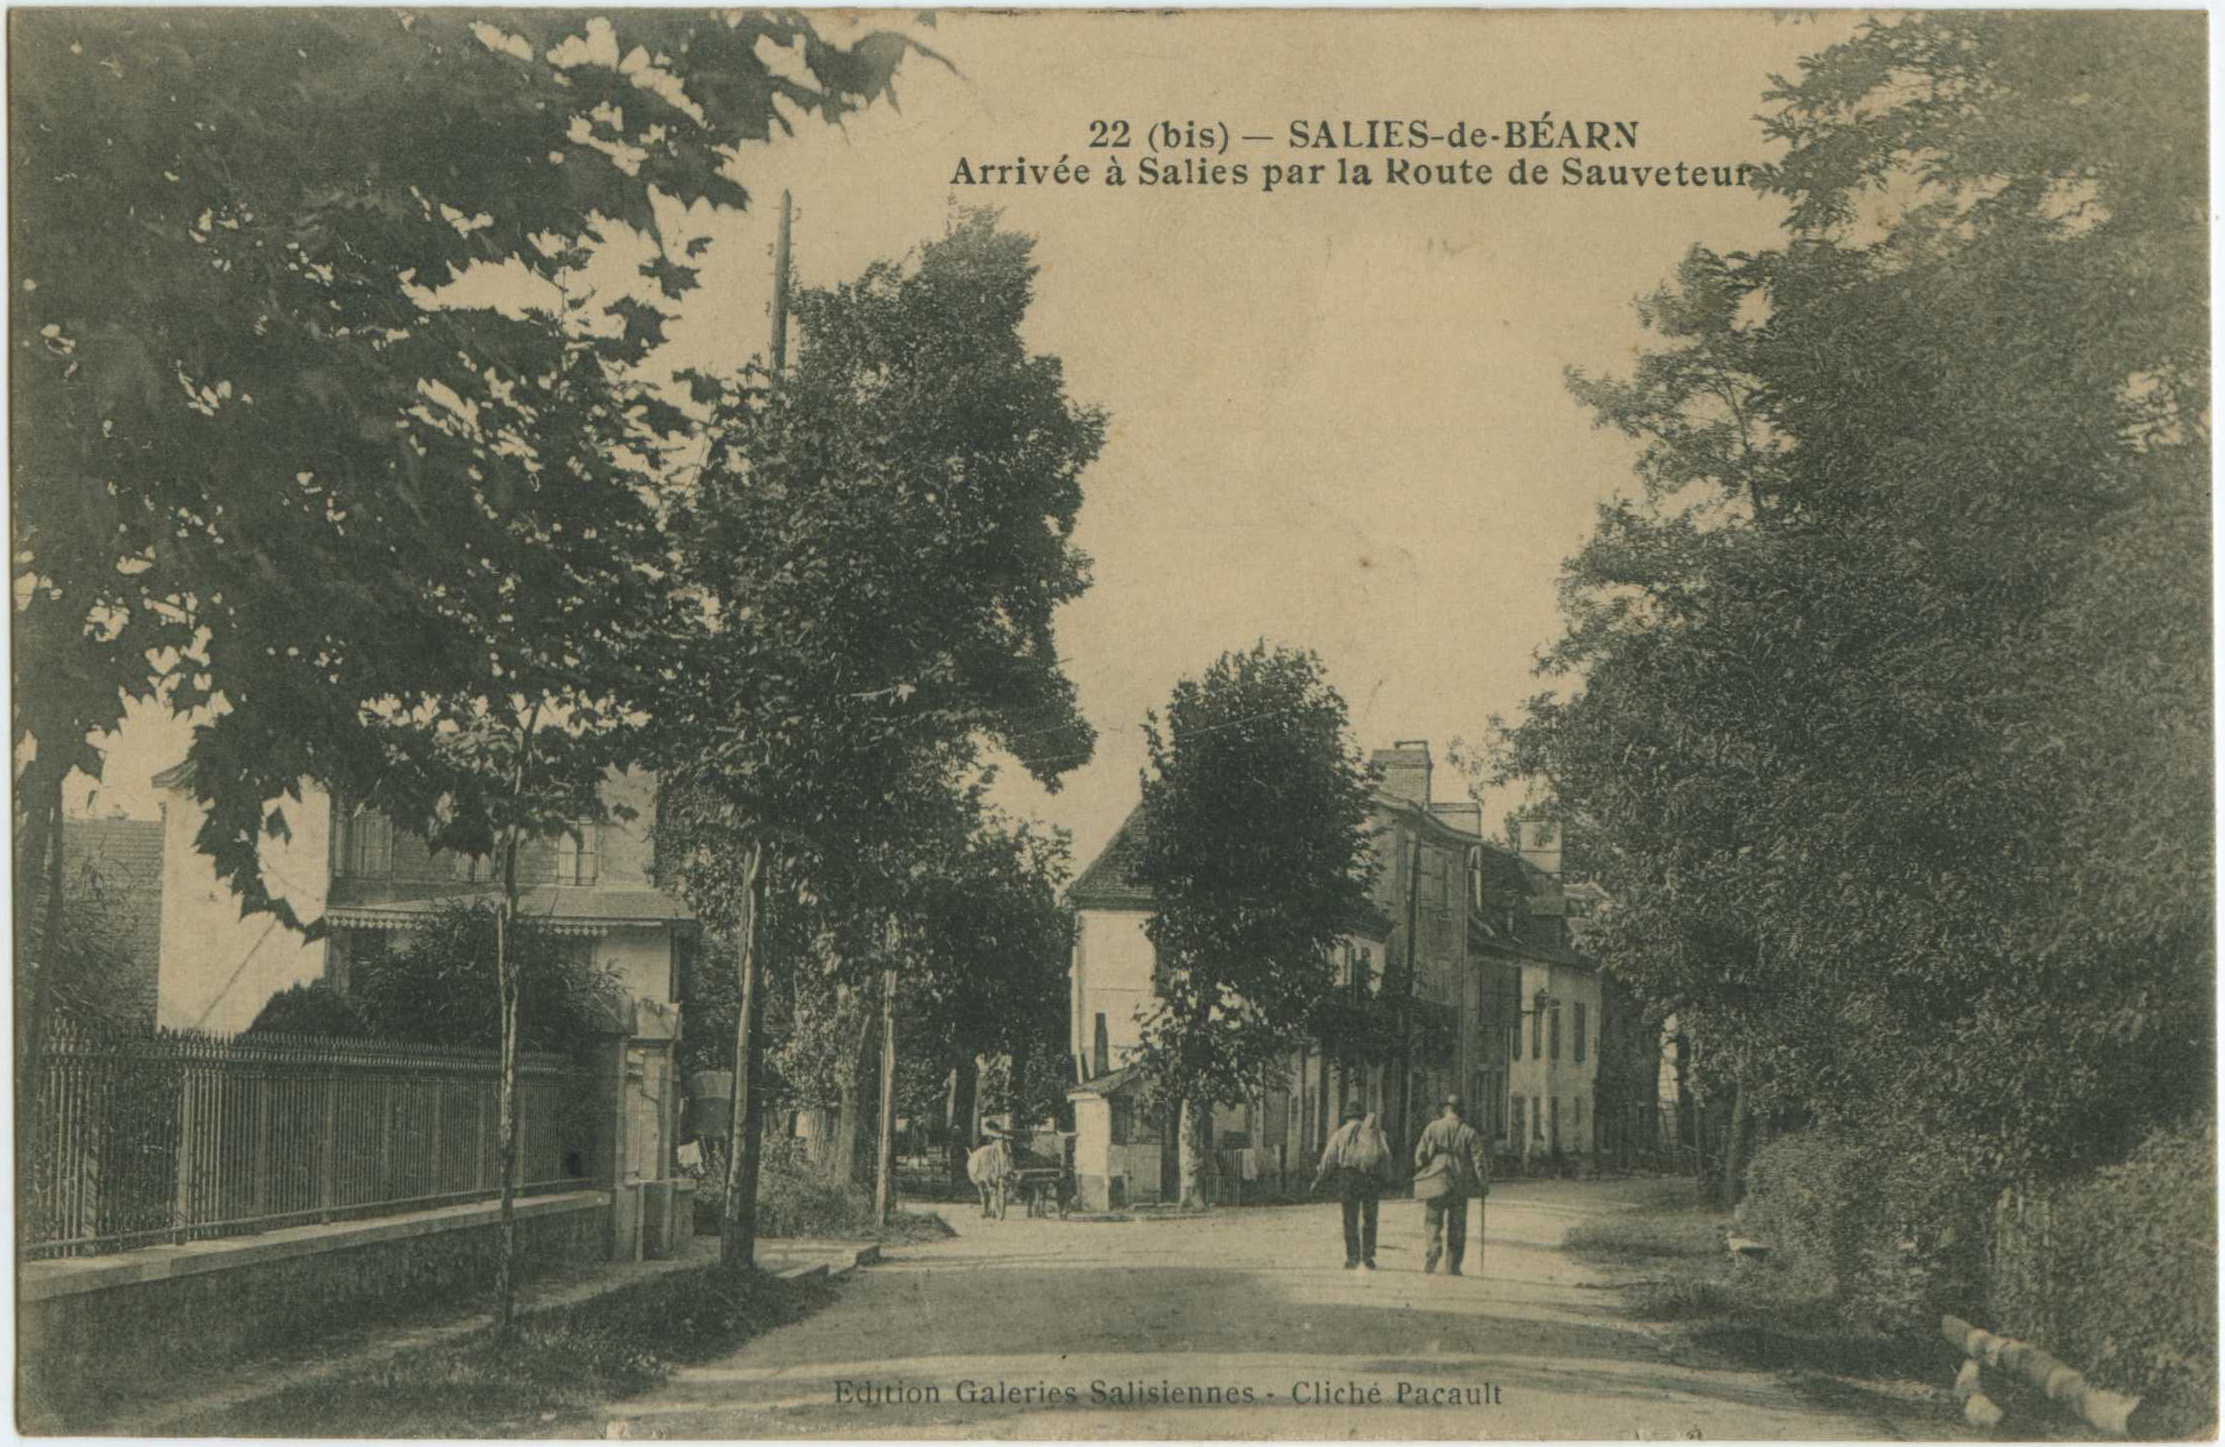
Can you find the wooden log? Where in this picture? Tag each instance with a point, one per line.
(1978, 1409)
(2104, 1411)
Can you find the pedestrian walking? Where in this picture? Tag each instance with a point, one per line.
(1358, 1159)
(1451, 1164)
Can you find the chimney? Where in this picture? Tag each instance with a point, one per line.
(1405, 768)
(1541, 845)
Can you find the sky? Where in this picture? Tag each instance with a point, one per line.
(1337, 415)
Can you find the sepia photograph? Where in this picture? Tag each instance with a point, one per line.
(1046, 725)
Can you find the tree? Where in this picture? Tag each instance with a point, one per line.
(401, 545)
(264, 462)
(879, 540)
(1909, 486)
(1256, 852)
(995, 946)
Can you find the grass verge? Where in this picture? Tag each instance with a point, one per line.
(1673, 1266)
(565, 1359)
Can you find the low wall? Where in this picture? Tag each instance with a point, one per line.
(92, 1331)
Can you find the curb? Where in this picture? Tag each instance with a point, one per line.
(841, 1266)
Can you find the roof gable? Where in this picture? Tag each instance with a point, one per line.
(1109, 881)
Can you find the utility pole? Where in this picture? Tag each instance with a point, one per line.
(780, 287)
(1406, 1006)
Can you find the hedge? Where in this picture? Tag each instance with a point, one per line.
(2116, 1273)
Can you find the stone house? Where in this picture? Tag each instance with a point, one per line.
(1429, 923)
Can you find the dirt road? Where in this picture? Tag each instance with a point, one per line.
(1240, 1324)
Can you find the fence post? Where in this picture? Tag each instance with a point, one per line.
(386, 1138)
(181, 1209)
(433, 1180)
(326, 1187)
(479, 1134)
(260, 1083)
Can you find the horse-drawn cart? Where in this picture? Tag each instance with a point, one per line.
(1002, 1171)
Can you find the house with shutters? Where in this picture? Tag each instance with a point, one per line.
(1464, 925)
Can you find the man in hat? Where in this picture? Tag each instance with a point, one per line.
(1450, 1165)
(1359, 1159)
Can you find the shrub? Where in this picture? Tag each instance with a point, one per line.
(1893, 1225)
(1798, 1191)
(2116, 1273)
(312, 1009)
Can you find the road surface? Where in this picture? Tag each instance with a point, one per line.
(1240, 1324)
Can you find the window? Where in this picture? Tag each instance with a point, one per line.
(1580, 1022)
(581, 854)
(1553, 1050)
(367, 845)
(1514, 1118)
(1537, 1034)
(1578, 1104)
(1555, 1139)
(1101, 1048)
(1537, 1118)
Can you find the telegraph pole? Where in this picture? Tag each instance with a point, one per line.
(780, 286)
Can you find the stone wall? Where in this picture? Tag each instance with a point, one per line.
(94, 1331)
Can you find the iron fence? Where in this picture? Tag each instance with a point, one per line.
(146, 1139)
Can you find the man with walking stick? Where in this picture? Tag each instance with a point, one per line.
(1451, 1164)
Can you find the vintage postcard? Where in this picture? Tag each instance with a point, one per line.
(1215, 724)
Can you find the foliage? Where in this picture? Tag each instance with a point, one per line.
(878, 541)
(96, 981)
(271, 462)
(315, 1008)
(1256, 852)
(2123, 1282)
(434, 984)
(1891, 701)
(796, 1199)
(881, 539)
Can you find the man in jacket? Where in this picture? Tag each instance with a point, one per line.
(1451, 1165)
(1359, 1158)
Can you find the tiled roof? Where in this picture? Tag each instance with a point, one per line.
(1108, 1083)
(1107, 884)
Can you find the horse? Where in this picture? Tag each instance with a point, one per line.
(989, 1168)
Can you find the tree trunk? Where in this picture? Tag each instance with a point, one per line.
(1016, 1099)
(884, 1173)
(506, 1101)
(50, 944)
(737, 1237)
(964, 1089)
(850, 1082)
(1734, 1146)
(1196, 1148)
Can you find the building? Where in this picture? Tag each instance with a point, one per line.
(1551, 1115)
(1454, 919)
(367, 880)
